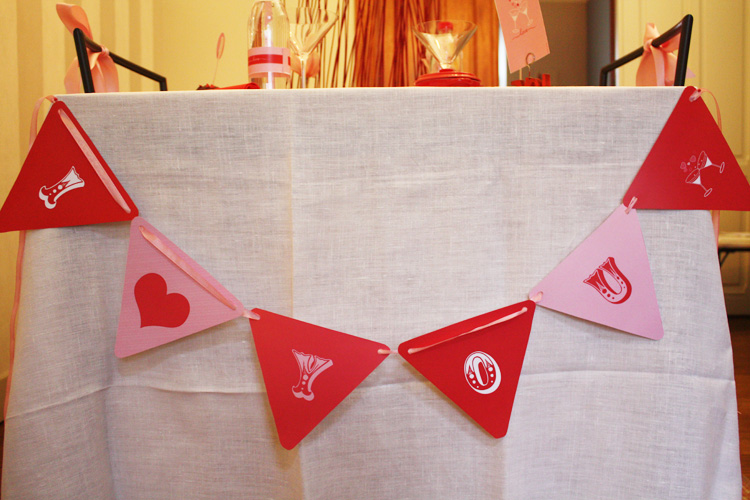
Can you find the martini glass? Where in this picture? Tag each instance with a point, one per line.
(694, 177)
(445, 39)
(514, 12)
(704, 162)
(307, 27)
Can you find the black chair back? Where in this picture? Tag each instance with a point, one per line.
(82, 42)
(684, 28)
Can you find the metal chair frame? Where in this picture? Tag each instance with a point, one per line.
(684, 28)
(82, 42)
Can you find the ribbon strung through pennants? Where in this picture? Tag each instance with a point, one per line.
(64, 180)
(166, 295)
(690, 166)
(476, 363)
(478, 372)
(607, 279)
(179, 262)
(19, 264)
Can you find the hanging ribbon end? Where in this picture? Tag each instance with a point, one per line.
(251, 315)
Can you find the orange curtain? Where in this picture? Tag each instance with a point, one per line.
(386, 53)
(480, 54)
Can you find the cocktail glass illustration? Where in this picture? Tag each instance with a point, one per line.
(694, 177)
(515, 11)
(518, 7)
(704, 162)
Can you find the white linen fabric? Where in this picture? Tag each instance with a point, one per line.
(387, 214)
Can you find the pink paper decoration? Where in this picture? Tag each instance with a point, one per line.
(308, 370)
(478, 370)
(523, 32)
(161, 301)
(607, 279)
(64, 181)
(690, 166)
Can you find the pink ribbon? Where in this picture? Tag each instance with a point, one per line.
(103, 70)
(35, 117)
(658, 64)
(509, 317)
(19, 267)
(94, 161)
(187, 269)
(715, 214)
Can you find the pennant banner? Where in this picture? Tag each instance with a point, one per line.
(477, 362)
(607, 279)
(64, 181)
(308, 370)
(166, 295)
(690, 166)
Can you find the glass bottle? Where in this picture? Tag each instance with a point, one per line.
(268, 55)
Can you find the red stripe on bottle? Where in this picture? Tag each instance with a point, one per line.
(268, 59)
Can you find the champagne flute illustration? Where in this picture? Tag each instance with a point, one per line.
(525, 11)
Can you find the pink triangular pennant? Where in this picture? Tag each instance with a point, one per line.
(477, 362)
(308, 370)
(64, 181)
(166, 295)
(607, 279)
(690, 166)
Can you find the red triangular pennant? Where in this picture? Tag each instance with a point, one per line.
(166, 295)
(308, 370)
(691, 166)
(476, 363)
(64, 181)
(607, 279)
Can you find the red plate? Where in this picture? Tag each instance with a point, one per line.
(448, 78)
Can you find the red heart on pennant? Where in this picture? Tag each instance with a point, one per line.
(157, 307)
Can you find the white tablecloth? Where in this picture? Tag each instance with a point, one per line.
(384, 213)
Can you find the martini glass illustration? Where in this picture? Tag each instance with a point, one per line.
(704, 162)
(694, 177)
(445, 39)
(515, 11)
(307, 27)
